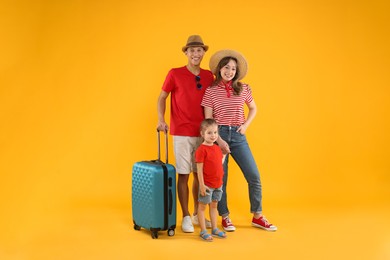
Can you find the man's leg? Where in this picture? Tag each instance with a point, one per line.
(183, 194)
(195, 192)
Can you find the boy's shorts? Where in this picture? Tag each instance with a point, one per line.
(184, 148)
(211, 195)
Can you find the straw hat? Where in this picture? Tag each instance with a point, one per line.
(219, 55)
(195, 41)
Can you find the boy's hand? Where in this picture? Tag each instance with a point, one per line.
(202, 190)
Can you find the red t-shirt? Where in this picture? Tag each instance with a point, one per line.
(186, 111)
(211, 157)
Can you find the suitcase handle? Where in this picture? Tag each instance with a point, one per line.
(166, 146)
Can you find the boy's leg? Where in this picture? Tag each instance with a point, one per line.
(201, 216)
(215, 231)
(202, 222)
(213, 214)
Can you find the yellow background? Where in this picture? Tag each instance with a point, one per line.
(79, 82)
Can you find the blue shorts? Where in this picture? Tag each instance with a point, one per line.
(211, 195)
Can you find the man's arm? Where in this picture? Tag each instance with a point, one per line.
(161, 106)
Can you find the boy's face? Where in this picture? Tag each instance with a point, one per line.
(194, 55)
(210, 134)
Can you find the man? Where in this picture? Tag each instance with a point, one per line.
(186, 85)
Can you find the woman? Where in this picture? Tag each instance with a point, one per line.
(224, 101)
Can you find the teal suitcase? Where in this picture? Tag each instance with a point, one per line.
(154, 194)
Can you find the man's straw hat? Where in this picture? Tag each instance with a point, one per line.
(195, 41)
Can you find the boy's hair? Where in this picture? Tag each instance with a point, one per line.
(206, 123)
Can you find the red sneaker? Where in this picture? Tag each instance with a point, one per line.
(263, 223)
(227, 224)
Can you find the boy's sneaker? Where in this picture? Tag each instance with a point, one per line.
(186, 225)
(227, 224)
(263, 223)
(195, 221)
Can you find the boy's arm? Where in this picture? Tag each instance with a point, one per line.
(202, 187)
(223, 157)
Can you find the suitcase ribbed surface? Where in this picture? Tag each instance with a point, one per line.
(148, 195)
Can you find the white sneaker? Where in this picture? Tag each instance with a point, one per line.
(195, 221)
(186, 225)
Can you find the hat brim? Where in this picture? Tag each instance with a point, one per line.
(205, 47)
(219, 55)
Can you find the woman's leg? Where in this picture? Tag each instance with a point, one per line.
(242, 154)
(223, 209)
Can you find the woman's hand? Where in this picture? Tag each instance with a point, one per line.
(224, 146)
(242, 129)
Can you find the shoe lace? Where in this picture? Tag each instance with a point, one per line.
(228, 221)
(266, 221)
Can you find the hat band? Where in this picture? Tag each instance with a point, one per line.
(195, 43)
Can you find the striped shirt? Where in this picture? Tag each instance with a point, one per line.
(227, 110)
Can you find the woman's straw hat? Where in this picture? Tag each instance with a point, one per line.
(219, 55)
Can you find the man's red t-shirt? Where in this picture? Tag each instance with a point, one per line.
(186, 111)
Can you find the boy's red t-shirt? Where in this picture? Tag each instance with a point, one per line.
(211, 157)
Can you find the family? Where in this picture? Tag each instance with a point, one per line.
(208, 124)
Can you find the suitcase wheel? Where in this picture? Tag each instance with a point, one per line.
(171, 232)
(154, 234)
(136, 227)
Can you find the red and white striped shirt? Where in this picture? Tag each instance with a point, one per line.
(227, 110)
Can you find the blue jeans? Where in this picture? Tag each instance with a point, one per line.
(242, 155)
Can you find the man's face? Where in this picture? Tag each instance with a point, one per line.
(195, 55)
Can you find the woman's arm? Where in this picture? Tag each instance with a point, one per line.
(208, 112)
(251, 115)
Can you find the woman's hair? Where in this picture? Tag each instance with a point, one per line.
(236, 85)
(206, 123)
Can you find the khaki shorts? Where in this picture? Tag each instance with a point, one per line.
(184, 148)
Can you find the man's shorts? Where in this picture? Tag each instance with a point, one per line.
(184, 148)
(211, 195)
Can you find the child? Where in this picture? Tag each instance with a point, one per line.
(209, 160)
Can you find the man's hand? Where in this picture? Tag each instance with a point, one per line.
(162, 126)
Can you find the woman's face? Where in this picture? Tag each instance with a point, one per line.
(229, 70)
